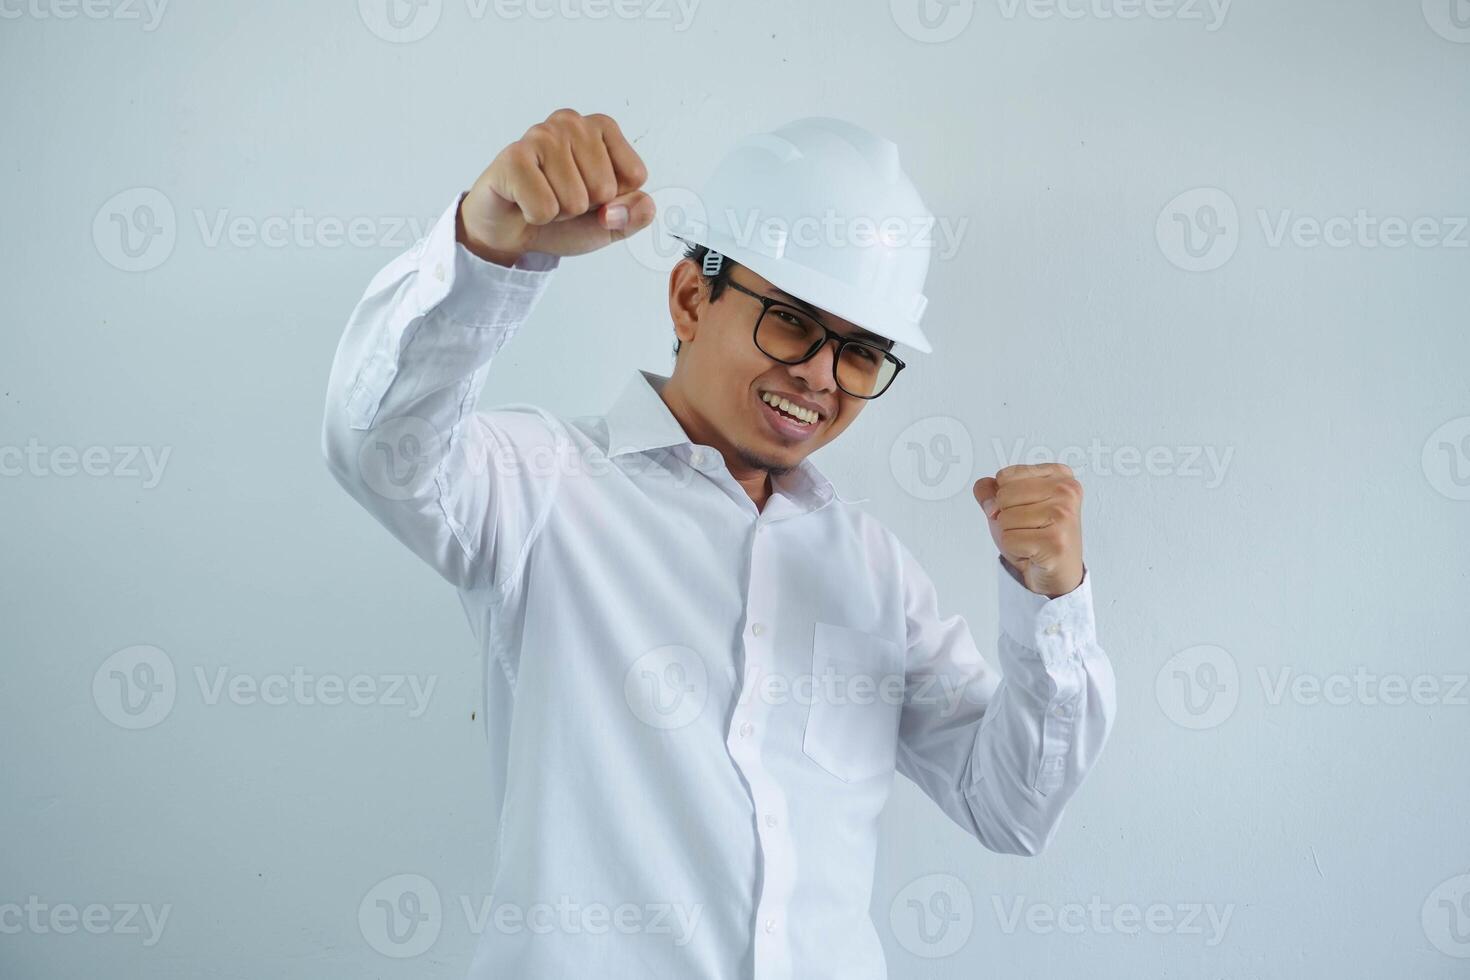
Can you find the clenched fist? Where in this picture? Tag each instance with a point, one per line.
(1035, 517)
(569, 186)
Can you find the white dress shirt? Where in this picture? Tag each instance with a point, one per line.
(694, 708)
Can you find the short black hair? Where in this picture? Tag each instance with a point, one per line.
(696, 253)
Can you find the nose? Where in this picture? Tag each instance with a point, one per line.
(820, 370)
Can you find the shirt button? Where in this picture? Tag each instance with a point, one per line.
(757, 628)
(770, 925)
(439, 272)
(1053, 630)
(770, 820)
(746, 730)
(1060, 712)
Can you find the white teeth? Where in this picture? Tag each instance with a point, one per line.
(804, 415)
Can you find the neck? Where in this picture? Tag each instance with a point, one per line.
(755, 480)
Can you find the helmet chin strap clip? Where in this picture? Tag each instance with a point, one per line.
(712, 262)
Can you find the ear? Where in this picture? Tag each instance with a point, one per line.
(687, 298)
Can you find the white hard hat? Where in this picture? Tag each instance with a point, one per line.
(821, 208)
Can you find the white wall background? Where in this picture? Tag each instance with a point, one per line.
(1325, 544)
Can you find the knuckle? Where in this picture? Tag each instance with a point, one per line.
(522, 159)
(602, 188)
(539, 138)
(539, 211)
(574, 199)
(565, 115)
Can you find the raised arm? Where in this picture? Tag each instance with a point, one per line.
(1003, 753)
(465, 490)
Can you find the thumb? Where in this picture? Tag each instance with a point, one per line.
(985, 490)
(625, 215)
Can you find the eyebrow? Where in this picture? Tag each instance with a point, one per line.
(858, 334)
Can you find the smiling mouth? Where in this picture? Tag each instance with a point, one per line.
(792, 425)
(790, 412)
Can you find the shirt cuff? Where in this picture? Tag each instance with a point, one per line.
(461, 286)
(1052, 629)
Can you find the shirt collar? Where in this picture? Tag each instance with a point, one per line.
(639, 421)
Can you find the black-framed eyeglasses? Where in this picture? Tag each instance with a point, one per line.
(791, 335)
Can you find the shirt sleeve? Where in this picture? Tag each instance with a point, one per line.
(1002, 754)
(465, 490)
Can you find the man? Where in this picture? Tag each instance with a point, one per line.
(704, 664)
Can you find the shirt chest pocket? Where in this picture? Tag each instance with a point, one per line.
(857, 697)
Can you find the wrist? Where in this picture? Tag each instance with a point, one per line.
(477, 248)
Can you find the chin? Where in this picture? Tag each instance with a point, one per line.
(775, 463)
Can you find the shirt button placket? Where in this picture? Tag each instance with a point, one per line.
(754, 727)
